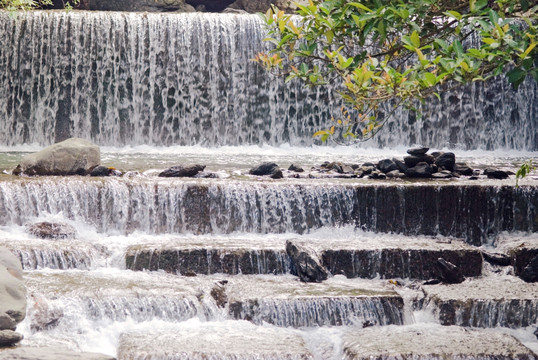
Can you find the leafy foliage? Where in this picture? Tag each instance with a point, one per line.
(524, 170)
(13, 5)
(390, 53)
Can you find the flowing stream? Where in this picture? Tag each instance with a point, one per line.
(197, 268)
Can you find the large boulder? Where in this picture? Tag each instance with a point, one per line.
(70, 157)
(12, 297)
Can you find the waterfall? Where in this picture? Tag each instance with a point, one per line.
(185, 79)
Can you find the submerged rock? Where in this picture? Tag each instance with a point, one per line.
(182, 171)
(306, 263)
(70, 157)
(48, 230)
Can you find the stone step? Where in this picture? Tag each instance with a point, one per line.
(486, 302)
(224, 340)
(64, 298)
(358, 254)
(430, 341)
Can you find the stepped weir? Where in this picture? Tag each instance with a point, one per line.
(200, 268)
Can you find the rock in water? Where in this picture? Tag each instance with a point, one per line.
(47, 230)
(421, 170)
(463, 169)
(387, 165)
(12, 297)
(446, 161)
(496, 174)
(180, 171)
(530, 272)
(413, 160)
(70, 157)
(449, 272)
(295, 168)
(267, 168)
(306, 263)
(100, 171)
(419, 150)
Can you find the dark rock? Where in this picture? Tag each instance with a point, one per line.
(100, 170)
(421, 170)
(449, 273)
(206, 175)
(141, 5)
(295, 168)
(431, 282)
(386, 165)
(436, 154)
(536, 333)
(444, 174)
(496, 174)
(473, 177)
(413, 160)
(48, 230)
(496, 258)
(306, 263)
(400, 164)
(264, 169)
(377, 175)
(463, 169)
(419, 150)
(9, 338)
(333, 166)
(446, 161)
(218, 292)
(277, 174)
(367, 168)
(395, 174)
(530, 272)
(181, 171)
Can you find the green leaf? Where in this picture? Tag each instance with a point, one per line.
(458, 48)
(443, 44)
(360, 6)
(454, 14)
(415, 39)
(430, 78)
(516, 76)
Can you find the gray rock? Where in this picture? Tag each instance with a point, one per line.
(395, 174)
(413, 160)
(463, 169)
(443, 174)
(387, 165)
(306, 263)
(446, 161)
(48, 230)
(182, 171)
(9, 338)
(50, 353)
(377, 175)
(449, 273)
(367, 168)
(70, 157)
(12, 291)
(419, 150)
(421, 170)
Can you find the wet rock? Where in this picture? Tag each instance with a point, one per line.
(530, 272)
(496, 174)
(387, 165)
(400, 164)
(367, 168)
(306, 263)
(395, 174)
(295, 168)
(9, 338)
(414, 160)
(521, 257)
(206, 175)
(333, 166)
(496, 258)
(536, 333)
(12, 291)
(100, 171)
(446, 161)
(419, 150)
(70, 157)
(443, 174)
(436, 154)
(377, 175)
(264, 169)
(463, 169)
(421, 170)
(449, 273)
(48, 230)
(50, 353)
(277, 174)
(182, 171)
(218, 293)
(44, 317)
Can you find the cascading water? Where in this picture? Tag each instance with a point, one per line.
(210, 253)
(186, 79)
